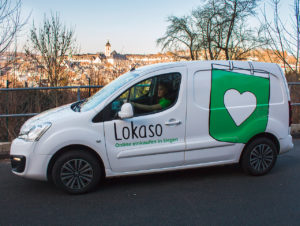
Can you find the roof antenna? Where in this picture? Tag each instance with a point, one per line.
(230, 65)
(251, 68)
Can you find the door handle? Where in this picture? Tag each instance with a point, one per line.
(172, 122)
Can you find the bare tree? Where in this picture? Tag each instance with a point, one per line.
(49, 46)
(237, 12)
(285, 38)
(209, 23)
(180, 33)
(222, 26)
(10, 23)
(216, 29)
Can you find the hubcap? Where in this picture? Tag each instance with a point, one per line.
(261, 157)
(76, 174)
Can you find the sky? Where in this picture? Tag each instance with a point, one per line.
(131, 26)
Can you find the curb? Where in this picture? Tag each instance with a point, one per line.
(295, 130)
(4, 150)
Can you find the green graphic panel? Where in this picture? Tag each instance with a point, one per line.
(222, 126)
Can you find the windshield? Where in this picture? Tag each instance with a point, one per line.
(106, 91)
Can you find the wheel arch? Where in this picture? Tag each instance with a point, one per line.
(270, 136)
(68, 148)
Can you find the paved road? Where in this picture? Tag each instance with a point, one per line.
(210, 196)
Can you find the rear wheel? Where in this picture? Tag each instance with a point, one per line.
(259, 156)
(76, 172)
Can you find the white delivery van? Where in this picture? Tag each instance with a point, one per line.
(158, 118)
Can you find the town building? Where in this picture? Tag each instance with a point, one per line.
(97, 68)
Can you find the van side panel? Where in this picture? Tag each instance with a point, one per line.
(278, 116)
(239, 106)
(201, 148)
(278, 123)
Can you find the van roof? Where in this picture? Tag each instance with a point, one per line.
(207, 65)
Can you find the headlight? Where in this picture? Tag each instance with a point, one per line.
(35, 132)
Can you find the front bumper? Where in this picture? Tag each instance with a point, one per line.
(30, 164)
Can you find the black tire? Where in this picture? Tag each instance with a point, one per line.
(259, 157)
(76, 172)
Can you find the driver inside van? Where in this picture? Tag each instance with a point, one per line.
(163, 102)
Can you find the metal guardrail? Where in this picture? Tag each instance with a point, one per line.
(78, 95)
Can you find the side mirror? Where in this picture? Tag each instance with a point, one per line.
(126, 111)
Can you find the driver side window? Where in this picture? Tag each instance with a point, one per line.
(148, 96)
(136, 92)
(141, 93)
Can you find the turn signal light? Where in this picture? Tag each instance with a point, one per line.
(17, 159)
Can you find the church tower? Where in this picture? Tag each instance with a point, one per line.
(107, 49)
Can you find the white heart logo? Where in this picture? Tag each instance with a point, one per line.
(239, 106)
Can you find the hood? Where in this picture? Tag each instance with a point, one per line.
(50, 115)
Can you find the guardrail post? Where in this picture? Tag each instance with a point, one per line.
(6, 120)
(89, 86)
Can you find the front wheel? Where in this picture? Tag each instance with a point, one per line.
(76, 172)
(259, 157)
